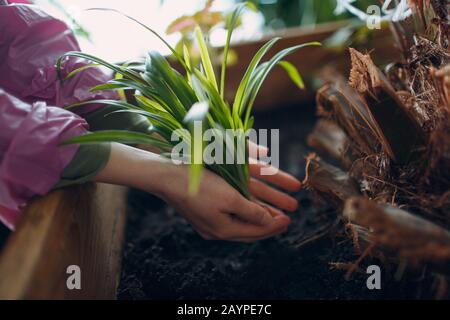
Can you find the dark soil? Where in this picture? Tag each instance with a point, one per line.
(165, 259)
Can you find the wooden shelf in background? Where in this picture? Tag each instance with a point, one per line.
(278, 90)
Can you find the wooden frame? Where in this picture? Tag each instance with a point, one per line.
(81, 225)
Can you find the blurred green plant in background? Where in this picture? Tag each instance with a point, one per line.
(281, 14)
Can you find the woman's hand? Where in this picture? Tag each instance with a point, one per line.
(259, 183)
(217, 211)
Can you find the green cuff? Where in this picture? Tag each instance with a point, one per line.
(90, 159)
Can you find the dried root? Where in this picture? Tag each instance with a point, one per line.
(386, 109)
(330, 139)
(390, 132)
(330, 180)
(414, 238)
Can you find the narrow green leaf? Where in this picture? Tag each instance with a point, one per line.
(117, 103)
(195, 176)
(206, 60)
(264, 73)
(142, 86)
(219, 109)
(166, 96)
(108, 86)
(243, 86)
(158, 65)
(187, 59)
(76, 71)
(150, 105)
(196, 114)
(230, 25)
(124, 71)
(293, 73)
(120, 136)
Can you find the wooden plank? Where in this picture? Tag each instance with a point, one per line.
(81, 225)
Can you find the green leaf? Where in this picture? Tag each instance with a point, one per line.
(187, 59)
(243, 86)
(157, 64)
(149, 105)
(124, 71)
(220, 111)
(108, 86)
(141, 86)
(262, 75)
(293, 73)
(250, 123)
(74, 72)
(121, 136)
(117, 103)
(230, 25)
(196, 114)
(206, 60)
(195, 176)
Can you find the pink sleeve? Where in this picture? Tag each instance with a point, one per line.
(31, 41)
(31, 157)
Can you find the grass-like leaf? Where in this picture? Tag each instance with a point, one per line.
(293, 73)
(196, 114)
(230, 25)
(206, 60)
(250, 72)
(121, 136)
